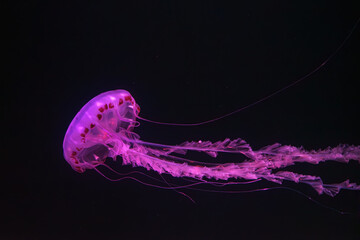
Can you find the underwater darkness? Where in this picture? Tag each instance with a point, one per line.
(182, 62)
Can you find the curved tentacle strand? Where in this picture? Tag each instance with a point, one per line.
(259, 165)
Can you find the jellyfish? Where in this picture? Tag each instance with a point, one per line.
(103, 129)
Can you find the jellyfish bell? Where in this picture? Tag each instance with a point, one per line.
(91, 136)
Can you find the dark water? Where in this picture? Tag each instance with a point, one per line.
(182, 62)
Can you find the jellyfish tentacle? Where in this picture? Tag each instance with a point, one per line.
(229, 146)
(260, 166)
(287, 155)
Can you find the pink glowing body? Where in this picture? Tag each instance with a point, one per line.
(103, 128)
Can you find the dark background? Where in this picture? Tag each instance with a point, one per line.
(182, 62)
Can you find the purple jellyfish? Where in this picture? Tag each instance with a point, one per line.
(104, 129)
